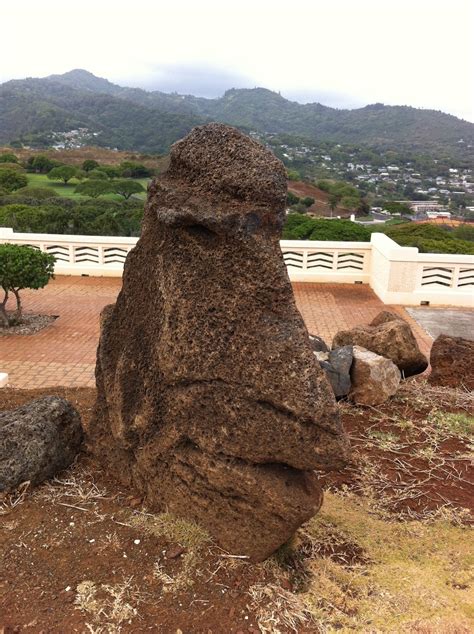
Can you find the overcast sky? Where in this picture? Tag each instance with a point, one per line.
(343, 53)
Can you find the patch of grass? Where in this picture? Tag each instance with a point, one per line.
(404, 574)
(174, 529)
(63, 189)
(67, 190)
(452, 424)
(114, 604)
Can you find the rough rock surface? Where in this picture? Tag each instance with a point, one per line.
(203, 405)
(37, 440)
(337, 367)
(374, 378)
(389, 336)
(452, 362)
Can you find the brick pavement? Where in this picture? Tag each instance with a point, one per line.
(64, 352)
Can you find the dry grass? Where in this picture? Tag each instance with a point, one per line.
(357, 572)
(109, 605)
(400, 456)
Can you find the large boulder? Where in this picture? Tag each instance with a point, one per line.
(337, 366)
(452, 362)
(374, 378)
(210, 401)
(389, 336)
(37, 441)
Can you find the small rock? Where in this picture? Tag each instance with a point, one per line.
(337, 368)
(318, 344)
(374, 378)
(286, 584)
(174, 551)
(321, 356)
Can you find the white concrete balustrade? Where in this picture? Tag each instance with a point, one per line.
(398, 275)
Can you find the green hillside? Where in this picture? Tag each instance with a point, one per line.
(131, 118)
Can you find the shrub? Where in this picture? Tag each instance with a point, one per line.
(22, 267)
(11, 180)
(300, 227)
(8, 157)
(38, 193)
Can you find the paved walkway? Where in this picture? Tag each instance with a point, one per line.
(454, 322)
(64, 352)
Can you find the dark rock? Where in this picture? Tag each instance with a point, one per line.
(337, 368)
(318, 344)
(210, 401)
(388, 336)
(37, 440)
(374, 378)
(452, 362)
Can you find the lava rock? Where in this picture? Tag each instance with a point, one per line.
(37, 441)
(210, 401)
(318, 344)
(374, 378)
(452, 362)
(337, 368)
(389, 336)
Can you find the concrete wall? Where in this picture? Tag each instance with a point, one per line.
(398, 275)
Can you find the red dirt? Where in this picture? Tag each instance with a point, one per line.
(321, 205)
(48, 548)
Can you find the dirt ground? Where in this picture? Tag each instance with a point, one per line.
(79, 554)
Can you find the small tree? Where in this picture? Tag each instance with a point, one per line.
(94, 188)
(89, 164)
(8, 157)
(127, 188)
(63, 173)
(308, 201)
(12, 180)
(22, 267)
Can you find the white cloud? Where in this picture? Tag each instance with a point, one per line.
(416, 52)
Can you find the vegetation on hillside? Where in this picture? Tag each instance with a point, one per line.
(427, 237)
(32, 109)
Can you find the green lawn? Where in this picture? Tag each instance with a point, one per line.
(41, 180)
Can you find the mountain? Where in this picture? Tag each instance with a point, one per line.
(136, 119)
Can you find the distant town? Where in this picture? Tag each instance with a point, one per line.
(431, 188)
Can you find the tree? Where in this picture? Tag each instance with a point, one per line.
(292, 199)
(62, 173)
(8, 158)
(94, 188)
(397, 208)
(97, 174)
(89, 164)
(12, 180)
(110, 170)
(131, 169)
(126, 188)
(22, 267)
(300, 227)
(40, 164)
(307, 201)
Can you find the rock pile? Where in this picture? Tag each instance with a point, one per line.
(37, 440)
(210, 400)
(389, 336)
